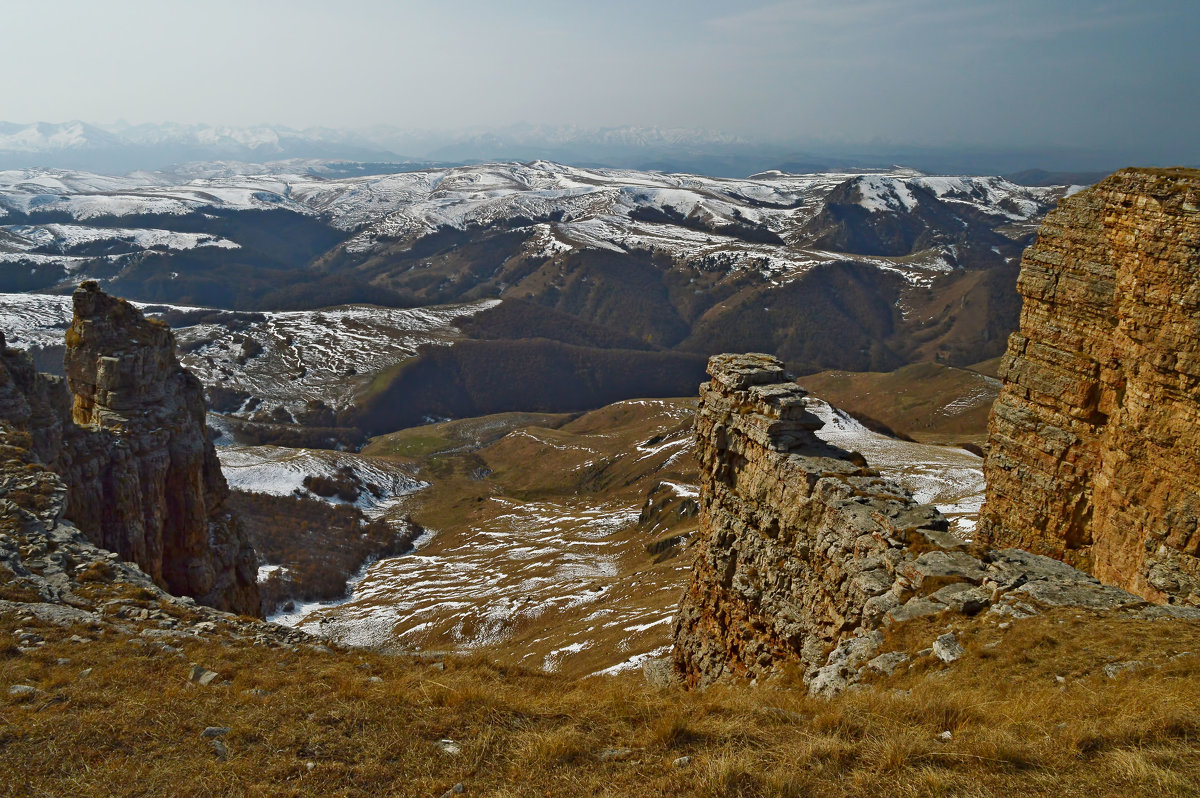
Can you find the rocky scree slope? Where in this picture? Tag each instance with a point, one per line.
(129, 448)
(1094, 451)
(806, 555)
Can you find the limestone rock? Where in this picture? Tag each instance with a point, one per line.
(124, 454)
(947, 648)
(801, 548)
(803, 552)
(1094, 442)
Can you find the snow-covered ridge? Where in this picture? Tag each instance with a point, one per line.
(723, 224)
(991, 195)
(280, 471)
(61, 238)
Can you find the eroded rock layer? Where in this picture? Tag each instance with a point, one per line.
(804, 553)
(1095, 439)
(801, 544)
(141, 476)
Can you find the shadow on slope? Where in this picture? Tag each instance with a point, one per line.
(478, 377)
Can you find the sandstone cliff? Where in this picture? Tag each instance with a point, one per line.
(805, 554)
(141, 477)
(1095, 439)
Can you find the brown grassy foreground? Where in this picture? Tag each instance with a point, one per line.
(308, 722)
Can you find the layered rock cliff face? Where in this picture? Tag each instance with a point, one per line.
(1095, 439)
(804, 553)
(141, 477)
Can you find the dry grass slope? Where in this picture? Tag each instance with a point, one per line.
(352, 723)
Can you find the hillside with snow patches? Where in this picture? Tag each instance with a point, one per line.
(556, 581)
(280, 359)
(51, 212)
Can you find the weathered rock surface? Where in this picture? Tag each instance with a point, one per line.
(804, 552)
(127, 460)
(1094, 453)
(51, 572)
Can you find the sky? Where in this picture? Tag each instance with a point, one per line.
(1120, 76)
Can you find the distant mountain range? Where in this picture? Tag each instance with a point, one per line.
(122, 148)
(599, 284)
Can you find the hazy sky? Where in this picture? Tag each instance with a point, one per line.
(1115, 75)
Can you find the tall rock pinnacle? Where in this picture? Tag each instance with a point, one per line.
(142, 477)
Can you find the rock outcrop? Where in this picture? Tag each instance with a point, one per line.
(804, 553)
(129, 445)
(50, 573)
(1094, 454)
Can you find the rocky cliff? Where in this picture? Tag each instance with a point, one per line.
(141, 477)
(805, 554)
(1095, 439)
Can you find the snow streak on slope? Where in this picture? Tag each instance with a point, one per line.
(945, 476)
(34, 321)
(280, 471)
(552, 578)
(549, 581)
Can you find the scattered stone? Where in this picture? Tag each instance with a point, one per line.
(1115, 669)
(828, 681)
(448, 746)
(457, 789)
(220, 750)
(925, 652)
(86, 672)
(215, 731)
(945, 736)
(375, 680)
(887, 663)
(62, 661)
(201, 675)
(681, 762)
(615, 754)
(947, 648)
(23, 691)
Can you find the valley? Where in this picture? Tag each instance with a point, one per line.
(506, 403)
(773, 399)
(574, 564)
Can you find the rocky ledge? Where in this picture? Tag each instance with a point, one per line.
(129, 449)
(806, 555)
